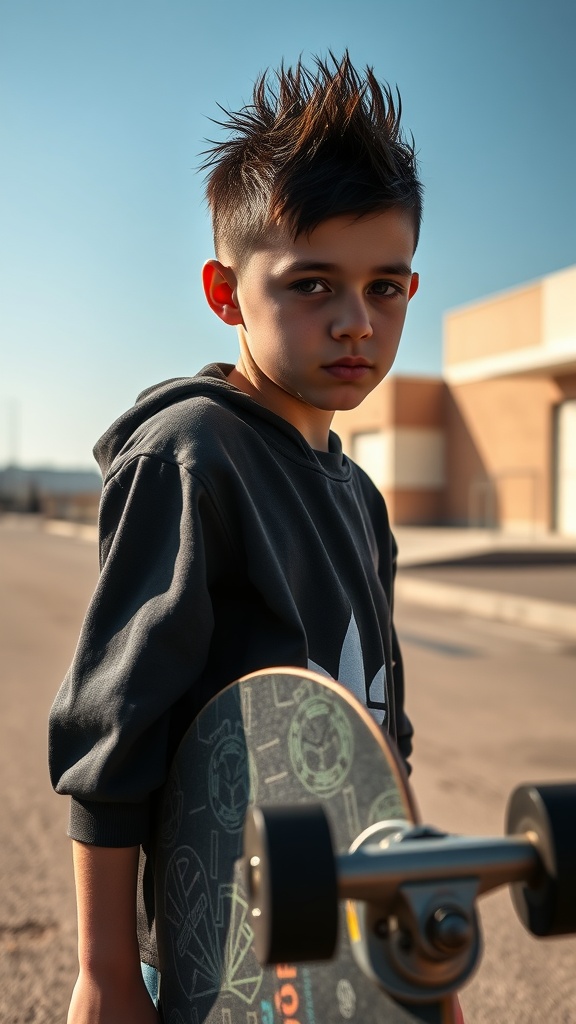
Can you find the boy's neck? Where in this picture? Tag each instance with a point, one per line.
(313, 424)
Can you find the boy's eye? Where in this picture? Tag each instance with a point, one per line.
(384, 288)
(309, 286)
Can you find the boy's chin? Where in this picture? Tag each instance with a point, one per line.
(349, 400)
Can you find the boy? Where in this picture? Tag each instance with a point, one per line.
(234, 534)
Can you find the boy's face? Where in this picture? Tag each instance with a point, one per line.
(320, 317)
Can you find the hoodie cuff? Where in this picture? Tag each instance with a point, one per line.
(114, 825)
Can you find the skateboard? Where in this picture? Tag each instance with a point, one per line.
(287, 736)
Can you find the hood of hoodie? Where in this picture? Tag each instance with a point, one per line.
(211, 381)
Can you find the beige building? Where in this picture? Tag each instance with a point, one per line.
(492, 443)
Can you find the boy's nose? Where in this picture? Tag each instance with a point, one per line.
(351, 321)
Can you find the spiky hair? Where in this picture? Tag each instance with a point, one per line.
(309, 146)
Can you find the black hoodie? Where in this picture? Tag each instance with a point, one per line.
(227, 545)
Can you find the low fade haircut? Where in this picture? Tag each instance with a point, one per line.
(310, 146)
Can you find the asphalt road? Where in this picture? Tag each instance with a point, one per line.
(492, 705)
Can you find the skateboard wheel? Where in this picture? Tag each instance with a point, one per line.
(291, 883)
(548, 812)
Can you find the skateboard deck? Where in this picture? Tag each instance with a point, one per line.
(277, 737)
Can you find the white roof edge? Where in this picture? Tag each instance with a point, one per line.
(503, 292)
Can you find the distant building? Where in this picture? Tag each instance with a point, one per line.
(493, 442)
(78, 507)
(55, 493)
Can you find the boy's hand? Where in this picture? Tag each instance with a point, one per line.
(111, 1002)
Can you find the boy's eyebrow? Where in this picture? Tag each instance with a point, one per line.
(302, 266)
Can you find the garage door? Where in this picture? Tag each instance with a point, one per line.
(566, 468)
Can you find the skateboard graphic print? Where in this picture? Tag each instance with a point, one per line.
(284, 736)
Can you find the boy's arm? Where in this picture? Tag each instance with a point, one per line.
(110, 988)
(144, 642)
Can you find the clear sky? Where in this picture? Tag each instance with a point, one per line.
(104, 106)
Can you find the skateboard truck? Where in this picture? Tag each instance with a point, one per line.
(410, 891)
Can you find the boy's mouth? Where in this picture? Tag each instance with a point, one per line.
(349, 368)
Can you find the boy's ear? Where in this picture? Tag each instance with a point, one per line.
(220, 286)
(413, 288)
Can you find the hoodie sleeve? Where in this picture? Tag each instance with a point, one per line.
(401, 727)
(144, 642)
(404, 730)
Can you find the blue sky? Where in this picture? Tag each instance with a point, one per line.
(104, 107)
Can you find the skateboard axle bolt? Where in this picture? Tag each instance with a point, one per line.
(449, 930)
(382, 928)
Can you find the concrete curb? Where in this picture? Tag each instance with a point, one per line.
(549, 616)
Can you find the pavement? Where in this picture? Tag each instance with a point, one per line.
(526, 579)
(482, 727)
